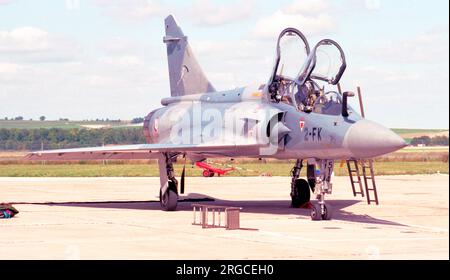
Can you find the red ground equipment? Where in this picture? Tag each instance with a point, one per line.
(209, 171)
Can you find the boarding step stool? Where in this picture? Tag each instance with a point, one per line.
(211, 216)
(354, 172)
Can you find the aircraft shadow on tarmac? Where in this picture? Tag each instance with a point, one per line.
(277, 207)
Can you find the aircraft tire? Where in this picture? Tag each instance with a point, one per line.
(316, 212)
(169, 200)
(302, 191)
(328, 213)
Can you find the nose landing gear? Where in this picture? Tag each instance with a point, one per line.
(319, 181)
(320, 210)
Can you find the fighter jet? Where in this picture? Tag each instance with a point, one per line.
(299, 115)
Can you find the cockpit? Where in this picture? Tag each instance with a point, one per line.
(313, 87)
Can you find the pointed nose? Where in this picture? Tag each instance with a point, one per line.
(366, 139)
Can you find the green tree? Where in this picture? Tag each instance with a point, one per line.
(422, 140)
(137, 120)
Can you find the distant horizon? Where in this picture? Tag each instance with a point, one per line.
(129, 120)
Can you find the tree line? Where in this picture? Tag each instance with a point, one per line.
(430, 141)
(59, 138)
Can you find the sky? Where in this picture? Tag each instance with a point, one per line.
(89, 59)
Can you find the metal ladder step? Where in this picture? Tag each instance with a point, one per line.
(367, 166)
(354, 171)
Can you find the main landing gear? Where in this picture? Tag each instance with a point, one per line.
(300, 194)
(319, 181)
(168, 194)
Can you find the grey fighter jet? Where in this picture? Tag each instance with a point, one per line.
(298, 115)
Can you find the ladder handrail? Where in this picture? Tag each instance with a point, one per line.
(365, 165)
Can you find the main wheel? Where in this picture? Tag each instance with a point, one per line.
(316, 212)
(328, 212)
(212, 174)
(169, 200)
(301, 194)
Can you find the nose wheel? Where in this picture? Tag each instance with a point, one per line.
(321, 212)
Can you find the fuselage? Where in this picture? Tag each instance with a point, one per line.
(246, 116)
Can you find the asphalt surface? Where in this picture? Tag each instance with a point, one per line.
(119, 218)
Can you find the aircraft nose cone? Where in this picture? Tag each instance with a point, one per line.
(366, 139)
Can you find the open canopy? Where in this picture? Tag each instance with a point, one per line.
(292, 50)
(298, 71)
(326, 62)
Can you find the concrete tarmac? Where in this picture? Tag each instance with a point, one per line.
(119, 218)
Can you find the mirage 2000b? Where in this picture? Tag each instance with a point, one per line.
(298, 115)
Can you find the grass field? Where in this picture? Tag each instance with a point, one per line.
(60, 124)
(401, 131)
(246, 169)
(438, 149)
(428, 160)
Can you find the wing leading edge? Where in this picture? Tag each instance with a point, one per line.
(129, 152)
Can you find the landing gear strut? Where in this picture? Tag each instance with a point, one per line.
(168, 194)
(323, 186)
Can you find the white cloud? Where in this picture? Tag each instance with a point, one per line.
(131, 10)
(9, 72)
(270, 27)
(309, 16)
(306, 7)
(205, 12)
(201, 12)
(45, 68)
(100, 81)
(373, 5)
(6, 2)
(32, 44)
(122, 61)
(73, 5)
(360, 6)
(430, 47)
(248, 49)
(119, 46)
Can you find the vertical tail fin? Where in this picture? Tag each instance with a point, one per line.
(186, 75)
